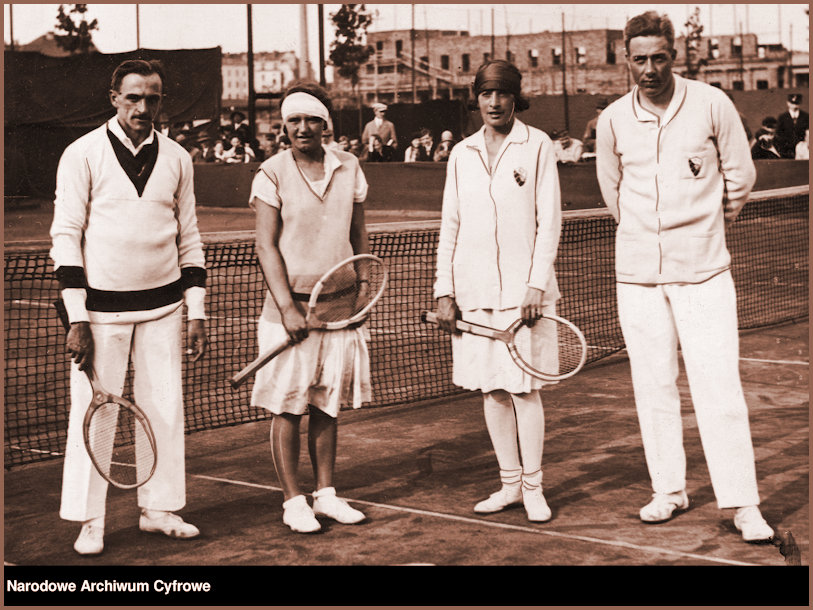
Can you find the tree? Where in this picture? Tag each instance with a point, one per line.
(77, 37)
(694, 35)
(349, 51)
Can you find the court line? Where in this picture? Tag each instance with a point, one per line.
(799, 362)
(504, 526)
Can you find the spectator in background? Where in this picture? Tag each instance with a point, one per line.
(791, 127)
(380, 127)
(413, 153)
(240, 152)
(445, 147)
(427, 151)
(355, 146)
(589, 137)
(376, 152)
(803, 147)
(765, 145)
(566, 149)
(237, 127)
(207, 152)
(219, 151)
(270, 147)
(344, 143)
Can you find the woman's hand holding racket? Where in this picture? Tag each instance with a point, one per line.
(554, 349)
(118, 436)
(342, 298)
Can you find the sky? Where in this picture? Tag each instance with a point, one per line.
(276, 27)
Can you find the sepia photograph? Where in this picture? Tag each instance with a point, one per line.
(301, 293)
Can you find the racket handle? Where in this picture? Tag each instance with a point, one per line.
(59, 305)
(468, 327)
(259, 362)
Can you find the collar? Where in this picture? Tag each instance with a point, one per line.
(672, 109)
(116, 129)
(794, 114)
(519, 134)
(378, 120)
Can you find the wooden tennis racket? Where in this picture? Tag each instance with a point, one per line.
(117, 433)
(530, 347)
(342, 297)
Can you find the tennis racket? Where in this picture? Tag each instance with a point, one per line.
(338, 300)
(118, 436)
(530, 347)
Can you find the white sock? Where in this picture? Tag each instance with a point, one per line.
(531, 429)
(501, 423)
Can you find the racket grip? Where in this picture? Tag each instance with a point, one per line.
(259, 362)
(429, 316)
(62, 312)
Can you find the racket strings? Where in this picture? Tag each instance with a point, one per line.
(550, 347)
(120, 445)
(349, 290)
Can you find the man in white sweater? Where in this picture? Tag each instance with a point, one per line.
(128, 255)
(674, 167)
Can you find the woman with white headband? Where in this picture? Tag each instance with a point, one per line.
(299, 195)
(499, 233)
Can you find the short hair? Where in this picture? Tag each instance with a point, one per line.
(649, 23)
(520, 101)
(136, 66)
(310, 88)
(770, 122)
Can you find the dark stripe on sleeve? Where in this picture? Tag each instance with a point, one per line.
(193, 276)
(71, 277)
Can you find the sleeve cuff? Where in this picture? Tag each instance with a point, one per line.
(74, 299)
(194, 297)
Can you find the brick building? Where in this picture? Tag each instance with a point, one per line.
(593, 62)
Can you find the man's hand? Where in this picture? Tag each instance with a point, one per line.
(196, 340)
(79, 344)
(448, 314)
(532, 305)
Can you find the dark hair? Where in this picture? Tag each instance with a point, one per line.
(770, 122)
(649, 24)
(136, 66)
(484, 76)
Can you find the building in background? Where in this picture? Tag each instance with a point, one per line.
(272, 73)
(582, 61)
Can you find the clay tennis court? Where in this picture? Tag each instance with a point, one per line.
(417, 470)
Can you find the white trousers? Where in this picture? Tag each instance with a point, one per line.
(155, 349)
(702, 318)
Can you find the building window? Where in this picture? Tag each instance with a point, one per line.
(717, 84)
(486, 57)
(379, 45)
(762, 84)
(533, 58)
(556, 54)
(466, 62)
(610, 54)
(424, 62)
(738, 85)
(736, 46)
(399, 47)
(444, 62)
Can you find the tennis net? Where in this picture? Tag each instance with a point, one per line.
(411, 361)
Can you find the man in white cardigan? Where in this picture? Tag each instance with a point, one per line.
(128, 255)
(674, 167)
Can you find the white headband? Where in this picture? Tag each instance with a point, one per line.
(300, 102)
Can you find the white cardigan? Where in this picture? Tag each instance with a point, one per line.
(666, 182)
(500, 229)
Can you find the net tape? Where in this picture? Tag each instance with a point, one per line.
(411, 361)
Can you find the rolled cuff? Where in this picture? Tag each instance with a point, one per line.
(194, 297)
(75, 299)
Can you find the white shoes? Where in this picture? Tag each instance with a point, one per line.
(535, 504)
(508, 495)
(664, 506)
(90, 540)
(297, 515)
(325, 503)
(749, 521)
(166, 523)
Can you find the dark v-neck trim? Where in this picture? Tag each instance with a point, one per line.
(137, 167)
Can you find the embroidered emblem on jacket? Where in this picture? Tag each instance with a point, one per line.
(520, 175)
(695, 163)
